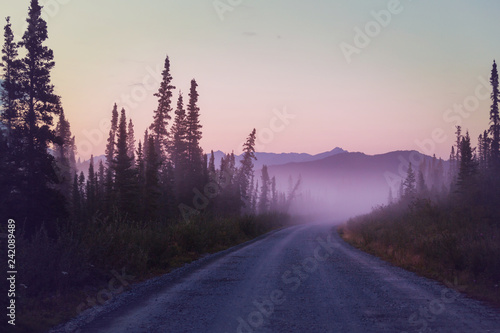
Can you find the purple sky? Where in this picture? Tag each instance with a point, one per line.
(346, 73)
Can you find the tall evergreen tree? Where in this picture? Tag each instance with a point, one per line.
(194, 151)
(141, 173)
(131, 140)
(246, 169)
(211, 167)
(125, 185)
(100, 190)
(409, 184)
(179, 152)
(486, 148)
(110, 155)
(10, 148)
(65, 155)
(162, 113)
(39, 104)
(10, 91)
(152, 191)
(468, 166)
(91, 188)
(452, 171)
(480, 145)
(139, 165)
(458, 134)
(494, 118)
(228, 201)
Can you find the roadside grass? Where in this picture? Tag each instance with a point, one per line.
(457, 245)
(80, 269)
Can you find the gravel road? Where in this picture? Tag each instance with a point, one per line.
(299, 279)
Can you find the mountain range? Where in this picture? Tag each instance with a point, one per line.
(278, 159)
(348, 184)
(262, 159)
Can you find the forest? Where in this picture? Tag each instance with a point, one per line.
(154, 204)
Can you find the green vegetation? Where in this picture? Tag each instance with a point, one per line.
(59, 275)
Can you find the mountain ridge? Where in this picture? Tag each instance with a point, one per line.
(263, 158)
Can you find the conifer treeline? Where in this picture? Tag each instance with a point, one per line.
(163, 176)
(474, 172)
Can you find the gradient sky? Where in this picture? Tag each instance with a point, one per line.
(264, 57)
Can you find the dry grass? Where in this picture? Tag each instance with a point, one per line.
(457, 246)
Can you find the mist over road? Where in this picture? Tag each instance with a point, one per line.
(299, 279)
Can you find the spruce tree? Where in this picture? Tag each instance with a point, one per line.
(11, 152)
(480, 145)
(468, 166)
(91, 188)
(194, 151)
(65, 155)
(131, 140)
(494, 118)
(409, 184)
(110, 155)
(211, 168)
(162, 113)
(39, 105)
(140, 171)
(452, 171)
(10, 91)
(139, 165)
(486, 148)
(124, 182)
(100, 190)
(458, 134)
(151, 182)
(246, 169)
(179, 152)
